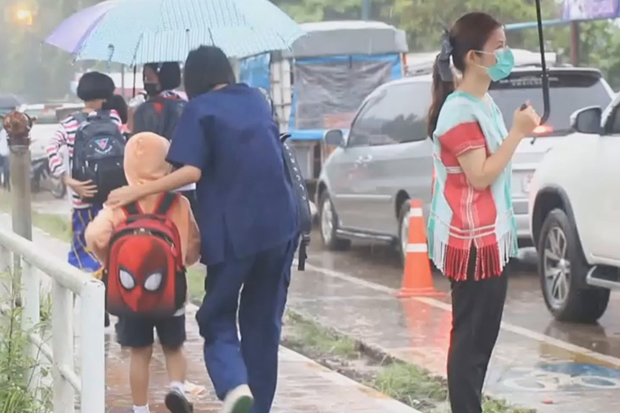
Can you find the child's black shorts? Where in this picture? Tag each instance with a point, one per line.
(138, 332)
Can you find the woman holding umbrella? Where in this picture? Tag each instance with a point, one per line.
(228, 144)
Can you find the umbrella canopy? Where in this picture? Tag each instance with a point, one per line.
(70, 35)
(142, 31)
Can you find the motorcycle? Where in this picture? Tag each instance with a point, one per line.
(41, 178)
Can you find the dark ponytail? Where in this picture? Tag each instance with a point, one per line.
(440, 91)
(470, 32)
(117, 103)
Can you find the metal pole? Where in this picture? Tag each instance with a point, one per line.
(574, 43)
(92, 347)
(21, 211)
(366, 9)
(18, 127)
(123, 81)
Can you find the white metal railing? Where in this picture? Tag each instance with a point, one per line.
(66, 280)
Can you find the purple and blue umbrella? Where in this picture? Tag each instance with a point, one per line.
(134, 32)
(72, 33)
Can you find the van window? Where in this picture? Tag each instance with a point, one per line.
(401, 115)
(365, 124)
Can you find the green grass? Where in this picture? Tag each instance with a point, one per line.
(15, 395)
(409, 384)
(309, 338)
(54, 224)
(402, 381)
(196, 284)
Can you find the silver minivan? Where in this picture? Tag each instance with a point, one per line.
(385, 158)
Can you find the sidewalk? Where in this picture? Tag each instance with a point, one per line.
(528, 369)
(304, 386)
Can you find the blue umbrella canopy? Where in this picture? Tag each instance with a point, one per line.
(135, 32)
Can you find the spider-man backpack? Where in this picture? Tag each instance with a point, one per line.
(145, 275)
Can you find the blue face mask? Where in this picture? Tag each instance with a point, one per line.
(505, 62)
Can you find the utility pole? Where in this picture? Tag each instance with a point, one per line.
(574, 43)
(17, 126)
(366, 9)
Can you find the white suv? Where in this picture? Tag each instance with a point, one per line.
(575, 216)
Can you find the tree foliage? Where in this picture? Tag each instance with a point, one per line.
(423, 21)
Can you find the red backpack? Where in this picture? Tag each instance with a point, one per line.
(145, 275)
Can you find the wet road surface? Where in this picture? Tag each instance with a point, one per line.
(538, 363)
(525, 306)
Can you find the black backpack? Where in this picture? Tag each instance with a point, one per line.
(158, 115)
(304, 214)
(293, 173)
(98, 154)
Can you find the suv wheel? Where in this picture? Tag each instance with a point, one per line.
(403, 230)
(562, 269)
(329, 225)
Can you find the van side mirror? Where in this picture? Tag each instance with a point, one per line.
(587, 120)
(334, 137)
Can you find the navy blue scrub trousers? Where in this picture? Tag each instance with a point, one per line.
(261, 280)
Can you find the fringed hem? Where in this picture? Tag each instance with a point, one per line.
(490, 259)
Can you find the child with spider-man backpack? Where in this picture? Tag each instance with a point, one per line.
(146, 246)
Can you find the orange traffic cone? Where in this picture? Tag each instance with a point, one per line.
(417, 278)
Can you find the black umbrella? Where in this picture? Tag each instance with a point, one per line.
(10, 101)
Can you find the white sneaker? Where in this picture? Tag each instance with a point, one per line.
(238, 400)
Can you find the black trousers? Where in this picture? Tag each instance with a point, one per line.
(477, 308)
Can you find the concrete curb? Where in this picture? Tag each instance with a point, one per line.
(375, 352)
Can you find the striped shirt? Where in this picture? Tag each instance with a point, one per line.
(60, 151)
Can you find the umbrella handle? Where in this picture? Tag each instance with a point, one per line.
(543, 65)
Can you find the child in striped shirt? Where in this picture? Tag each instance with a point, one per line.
(96, 90)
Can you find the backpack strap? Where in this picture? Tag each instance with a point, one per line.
(132, 209)
(81, 117)
(167, 200)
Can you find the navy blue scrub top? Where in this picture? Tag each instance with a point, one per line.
(245, 203)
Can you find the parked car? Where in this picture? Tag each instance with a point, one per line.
(574, 204)
(385, 158)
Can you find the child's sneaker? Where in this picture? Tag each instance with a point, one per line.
(176, 402)
(238, 400)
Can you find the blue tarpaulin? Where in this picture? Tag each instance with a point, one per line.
(255, 71)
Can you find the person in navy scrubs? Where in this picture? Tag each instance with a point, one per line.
(228, 143)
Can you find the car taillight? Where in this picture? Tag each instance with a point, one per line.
(543, 129)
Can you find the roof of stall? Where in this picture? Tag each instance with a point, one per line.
(355, 37)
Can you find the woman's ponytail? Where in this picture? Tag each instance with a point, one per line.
(443, 81)
(441, 90)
